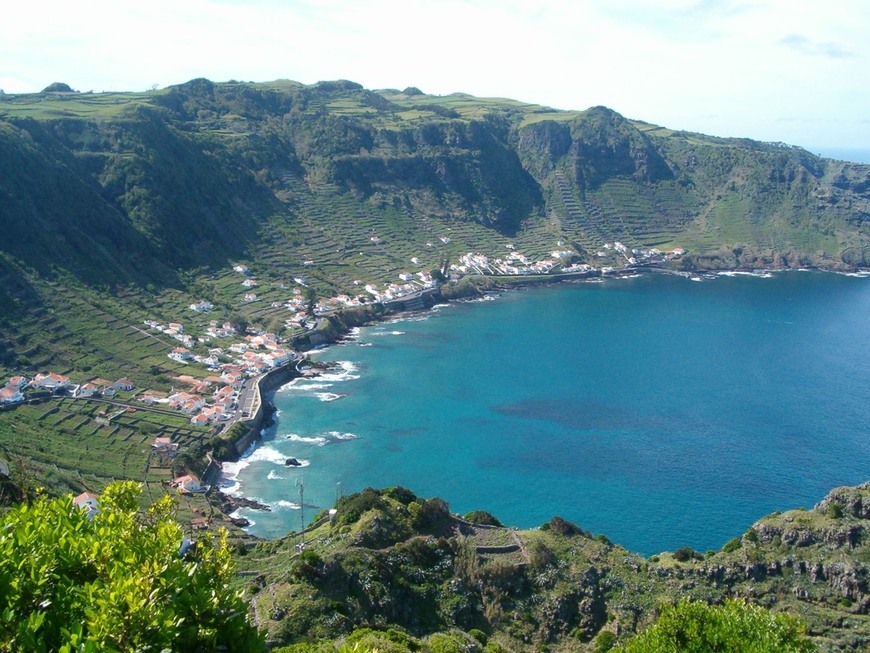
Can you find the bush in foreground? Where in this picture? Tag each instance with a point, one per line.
(736, 627)
(118, 582)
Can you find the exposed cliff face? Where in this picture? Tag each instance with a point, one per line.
(606, 145)
(597, 146)
(468, 169)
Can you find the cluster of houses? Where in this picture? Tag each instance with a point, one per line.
(173, 329)
(636, 256)
(256, 353)
(14, 390)
(516, 263)
(513, 264)
(220, 406)
(412, 283)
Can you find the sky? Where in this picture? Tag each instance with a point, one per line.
(794, 71)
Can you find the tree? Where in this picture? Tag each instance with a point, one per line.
(695, 627)
(58, 87)
(310, 300)
(119, 580)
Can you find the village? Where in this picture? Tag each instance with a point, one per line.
(233, 356)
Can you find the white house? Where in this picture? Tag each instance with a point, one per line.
(281, 356)
(187, 483)
(201, 306)
(10, 394)
(89, 503)
(88, 390)
(199, 420)
(50, 381)
(123, 384)
(181, 355)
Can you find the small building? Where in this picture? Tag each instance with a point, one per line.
(181, 355)
(123, 384)
(19, 381)
(187, 483)
(89, 503)
(152, 397)
(10, 394)
(164, 445)
(199, 419)
(88, 390)
(50, 381)
(201, 306)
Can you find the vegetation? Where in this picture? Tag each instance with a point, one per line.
(119, 580)
(124, 207)
(736, 626)
(378, 577)
(373, 568)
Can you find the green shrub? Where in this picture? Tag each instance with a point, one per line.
(732, 545)
(479, 635)
(115, 581)
(686, 553)
(401, 494)
(563, 527)
(482, 517)
(605, 641)
(444, 643)
(352, 507)
(431, 514)
(695, 627)
(834, 510)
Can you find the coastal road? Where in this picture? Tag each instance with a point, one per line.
(248, 399)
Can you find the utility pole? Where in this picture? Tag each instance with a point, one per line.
(301, 483)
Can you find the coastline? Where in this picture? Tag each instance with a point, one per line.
(335, 327)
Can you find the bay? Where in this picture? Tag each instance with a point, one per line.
(656, 410)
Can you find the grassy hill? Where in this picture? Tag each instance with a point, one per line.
(407, 570)
(117, 208)
(122, 208)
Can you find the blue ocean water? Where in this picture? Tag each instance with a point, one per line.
(843, 154)
(656, 410)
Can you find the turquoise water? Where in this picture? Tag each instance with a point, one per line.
(656, 410)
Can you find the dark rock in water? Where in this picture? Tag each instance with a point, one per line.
(292, 462)
(241, 522)
(231, 504)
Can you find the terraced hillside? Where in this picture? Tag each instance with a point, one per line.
(117, 209)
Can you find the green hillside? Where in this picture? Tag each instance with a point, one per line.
(118, 209)
(121, 213)
(407, 570)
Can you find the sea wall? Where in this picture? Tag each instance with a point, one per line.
(268, 382)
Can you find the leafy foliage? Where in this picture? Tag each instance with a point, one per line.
(117, 581)
(483, 517)
(693, 626)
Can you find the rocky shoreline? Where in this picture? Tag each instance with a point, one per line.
(334, 329)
